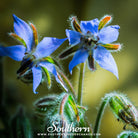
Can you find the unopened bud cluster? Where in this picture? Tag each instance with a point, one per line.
(123, 109)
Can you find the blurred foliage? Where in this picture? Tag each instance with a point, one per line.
(51, 19)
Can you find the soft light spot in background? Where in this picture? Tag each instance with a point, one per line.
(43, 23)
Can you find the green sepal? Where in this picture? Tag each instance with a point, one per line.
(104, 21)
(115, 106)
(47, 76)
(18, 38)
(75, 24)
(113, 47)
(35, 35)
(71, 109)
(51, 60)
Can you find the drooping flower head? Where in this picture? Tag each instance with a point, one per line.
(35, 57)
(92, 40)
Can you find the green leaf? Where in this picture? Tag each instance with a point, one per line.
(51, 60)
(20, 125)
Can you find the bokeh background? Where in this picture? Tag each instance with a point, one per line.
(51, 19)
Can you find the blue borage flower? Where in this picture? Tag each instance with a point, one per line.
(92, 40)
(34, 56)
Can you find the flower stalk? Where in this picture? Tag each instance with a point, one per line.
(99, 116)
(80, 86)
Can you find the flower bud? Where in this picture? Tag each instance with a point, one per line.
(128, 134)
(62, 114)
(63, 105)
(45, 105)
(123, 109)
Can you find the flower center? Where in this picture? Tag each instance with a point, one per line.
(89, 40)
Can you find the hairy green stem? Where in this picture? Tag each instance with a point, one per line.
(80, 86)
(99, 116)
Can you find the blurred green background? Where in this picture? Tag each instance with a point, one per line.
(51, 19)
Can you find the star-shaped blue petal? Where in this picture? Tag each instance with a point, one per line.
(22, 29)
(89, 26)
(37, 77)
(14, 52)
(104, 58)
(47, 46)
(108, 34)
(79, 57)
(73, 36)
